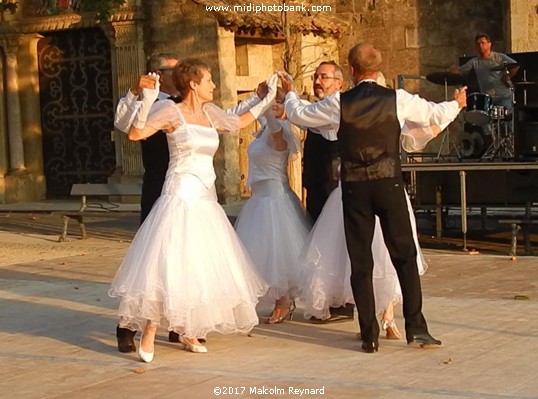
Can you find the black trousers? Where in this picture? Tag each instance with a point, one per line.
(386, 199)
(152, 186)
(316, 197)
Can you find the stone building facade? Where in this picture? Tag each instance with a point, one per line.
(63, 72)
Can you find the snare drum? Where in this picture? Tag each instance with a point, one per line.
(478, 109)
(498, 112)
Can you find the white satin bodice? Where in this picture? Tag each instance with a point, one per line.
(192, 148)
(266, 163)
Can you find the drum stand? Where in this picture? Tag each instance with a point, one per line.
(503, 144)
(446, 136)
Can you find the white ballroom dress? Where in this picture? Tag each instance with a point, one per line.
(272, 224)
(326, 268)
(186, 269)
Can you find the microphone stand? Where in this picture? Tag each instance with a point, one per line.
(446, 136)
(508, 140)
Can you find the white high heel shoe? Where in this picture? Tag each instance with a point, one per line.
(196, 348)
(146, 357)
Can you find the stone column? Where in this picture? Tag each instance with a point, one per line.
(227, 158)
(31, 132)
(30, 104)
(10, 44)
(4, 144)
(523, 25)
(128, 62)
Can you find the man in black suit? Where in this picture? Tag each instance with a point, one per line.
(320, 165)
(320, 155)
(155, 158)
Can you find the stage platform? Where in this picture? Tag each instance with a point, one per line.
(471, 183)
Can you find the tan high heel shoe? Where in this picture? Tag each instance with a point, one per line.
(392, 330)
(281, 313)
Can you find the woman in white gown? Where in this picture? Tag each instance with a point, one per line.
(186, 269)
(272, 224)
(326, 267)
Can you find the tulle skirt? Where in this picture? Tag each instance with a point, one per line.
(186, 269)
(326, 268)
(273, 228)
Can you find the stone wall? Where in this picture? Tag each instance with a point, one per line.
(420, 36)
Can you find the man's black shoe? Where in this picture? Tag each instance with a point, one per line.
(174, 337)
(125, 339)
(424, 340)
(346, 310)
(370, 347)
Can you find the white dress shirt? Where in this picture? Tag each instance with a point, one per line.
(324, 115)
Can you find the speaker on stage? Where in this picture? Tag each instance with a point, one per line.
(526, 131)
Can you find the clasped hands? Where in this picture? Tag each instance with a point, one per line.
(149, 85)
(460, 95)
(285, 80)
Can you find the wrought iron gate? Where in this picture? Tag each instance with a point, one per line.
(75, 83)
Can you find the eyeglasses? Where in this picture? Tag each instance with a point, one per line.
(323, 77)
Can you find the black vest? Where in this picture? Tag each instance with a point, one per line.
(320, 160)
(369, 134)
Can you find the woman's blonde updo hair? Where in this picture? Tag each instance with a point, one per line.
(189, 70)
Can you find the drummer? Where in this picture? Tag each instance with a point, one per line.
(493, 79)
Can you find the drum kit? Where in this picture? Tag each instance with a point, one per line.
(493, 119)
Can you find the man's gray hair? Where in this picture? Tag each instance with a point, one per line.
(157, 61)
(337, 69)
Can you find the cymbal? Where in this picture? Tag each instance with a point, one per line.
(524, 83)
(445, 77)
(505, 65)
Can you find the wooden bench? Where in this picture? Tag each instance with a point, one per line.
(95, 190)
(523, 224)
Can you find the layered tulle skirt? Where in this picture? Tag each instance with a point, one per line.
(273, 228)
(326, 268)
(186, 269)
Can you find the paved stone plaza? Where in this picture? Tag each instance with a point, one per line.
(57, 328)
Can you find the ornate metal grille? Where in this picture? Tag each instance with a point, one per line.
(75, 83)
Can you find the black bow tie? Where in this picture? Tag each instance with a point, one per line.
(176, 99)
